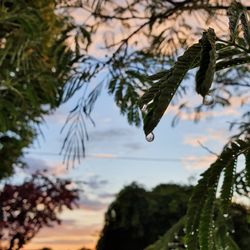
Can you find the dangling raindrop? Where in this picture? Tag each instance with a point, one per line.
(208, 100)
(225, 215)
(150, 137)
(53, 69)
(12, 74)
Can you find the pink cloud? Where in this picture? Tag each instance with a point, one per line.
(66, 236)
(198, 162)
(218, 136)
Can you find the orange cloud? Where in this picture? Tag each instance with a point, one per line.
(66, 236)
(198, 162)
(194, 140)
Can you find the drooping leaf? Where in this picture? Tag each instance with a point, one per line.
(232, 62)
(200, 215)
(205, 74)
(164, 242)
(245, 26)
(234, 13)
(166, 87)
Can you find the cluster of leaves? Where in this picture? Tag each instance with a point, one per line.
(151, 36)
(28, 207)
(204, 230)
(153, 32)
(211, 54)
(39, 70)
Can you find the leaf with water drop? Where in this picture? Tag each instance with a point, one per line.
(161, 93)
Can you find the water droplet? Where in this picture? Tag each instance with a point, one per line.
(208, 100)
(192, 233)
(17, 69)
(3, 43)
(12, 74)
(225, 215)
(150, 137)
(144, 108)
(53, 69)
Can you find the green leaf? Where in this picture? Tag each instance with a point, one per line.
(200, 214)
(234, 13)
(245, 26)
(232, 62)
(205, 74)
(165, 241)
(158, 97)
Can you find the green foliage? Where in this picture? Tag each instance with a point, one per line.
(166, 241)
(36, 66)
(237, 14)
(205, 74)
(214, 54)
(158, 98)
(200, 215)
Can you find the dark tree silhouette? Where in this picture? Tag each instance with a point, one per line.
(28, 207)
(138, 217)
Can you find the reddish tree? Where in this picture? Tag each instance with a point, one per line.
(28, 207)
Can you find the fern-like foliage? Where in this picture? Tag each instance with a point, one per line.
(206, 221)
(211, 54)
(166, 242)
(234, 13)
(165, 89)
(205, 227)
(200, 215)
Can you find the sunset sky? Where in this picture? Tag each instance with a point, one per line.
(118, 154)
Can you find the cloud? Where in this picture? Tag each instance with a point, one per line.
(101, 156)
(194, 140)
(89, 204)
(58, 117)
(68, 235)
(37, 164)
(133, 145)
(236, 102)
(110, 134)
(106, 195)
(198, 162)
(203, 114)
(94, 182)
